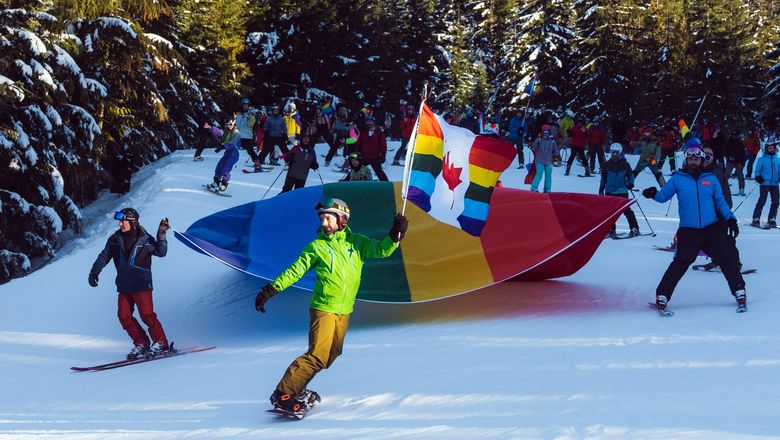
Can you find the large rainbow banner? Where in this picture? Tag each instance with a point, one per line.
(527, 236)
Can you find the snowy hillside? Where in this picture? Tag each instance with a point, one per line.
(580, 357)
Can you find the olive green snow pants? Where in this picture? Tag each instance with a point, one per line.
(326, 339)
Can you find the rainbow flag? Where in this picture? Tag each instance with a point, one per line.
(453, 172)
(684, 130)
(327, 108)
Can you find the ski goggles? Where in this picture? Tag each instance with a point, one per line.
(694, 152)
(119, 215)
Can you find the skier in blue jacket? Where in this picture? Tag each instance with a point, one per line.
(617, 180)
(768, 176)
(700, 200)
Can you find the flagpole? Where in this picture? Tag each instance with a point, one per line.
(525, 114)
(410, 149)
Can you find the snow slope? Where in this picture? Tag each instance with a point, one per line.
(580, 357)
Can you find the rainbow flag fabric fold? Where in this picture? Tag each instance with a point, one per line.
(453, 172)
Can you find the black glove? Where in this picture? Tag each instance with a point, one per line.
(397, 232)
(93, 279)
(630, 186)
(218, 149)
(732, 228)
(268, 292)
(315, 166)
(650, 192)
(760, 179)
(163, 228)
(601, 190)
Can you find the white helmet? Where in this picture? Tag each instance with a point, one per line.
(616, 148)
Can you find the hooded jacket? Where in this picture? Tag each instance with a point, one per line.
(338, 262)
(133, 267)
(768, 167)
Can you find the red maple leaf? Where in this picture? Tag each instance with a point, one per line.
(451, 175)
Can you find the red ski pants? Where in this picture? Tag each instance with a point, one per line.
(126, 304)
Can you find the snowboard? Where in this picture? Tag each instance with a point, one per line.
(665, 313)
(586, 175)
(314, 400)
(206, 187)
(141, 360)
(763, 226)
(664, 248)
(716, 269)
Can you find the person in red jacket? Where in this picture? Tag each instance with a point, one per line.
(407, 126)
(372, 146)
(752, 147)
(597, 138)
(577, 140)
(668, 145)
(706, 131)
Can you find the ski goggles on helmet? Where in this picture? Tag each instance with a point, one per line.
(694, 151)
(333, 206)
(121, 216)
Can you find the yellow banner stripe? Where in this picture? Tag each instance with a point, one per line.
(440, 260)
(482, 176)
(425, 144)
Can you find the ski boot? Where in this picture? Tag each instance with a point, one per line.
(771, 223)
(660, 305)
(137, 352)
(159, 348)
(288, 403)
(197, 158)
(223, 186)
(756, 223)
(741, 300)
(634, 232)
(214, 186)
(741, 192)
(612, 234)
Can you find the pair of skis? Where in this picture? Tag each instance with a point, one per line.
(142, 360)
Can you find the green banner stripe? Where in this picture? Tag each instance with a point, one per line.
(372, 206)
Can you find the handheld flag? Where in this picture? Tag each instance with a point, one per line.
(453, 172)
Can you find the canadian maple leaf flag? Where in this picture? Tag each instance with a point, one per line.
(451, 171)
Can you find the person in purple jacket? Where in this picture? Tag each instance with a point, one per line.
(545, 149)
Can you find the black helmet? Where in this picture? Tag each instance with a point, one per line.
(128, 214)
(334, 206)
(354, 155)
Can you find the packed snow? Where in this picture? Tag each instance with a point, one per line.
(573, 358)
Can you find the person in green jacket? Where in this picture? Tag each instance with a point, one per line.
(337, 256)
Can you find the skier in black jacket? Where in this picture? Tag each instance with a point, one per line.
(300, 160)
(132, 248)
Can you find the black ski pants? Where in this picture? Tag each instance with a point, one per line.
(291, 183)
(667, 154)
(376, 165)
(596, 151)
(249, 146)
(714, 241)
(770, 190)
(268, 147)
(578, 152)
(630, 216)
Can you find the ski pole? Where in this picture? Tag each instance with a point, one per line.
(273, 183)
(652, 232)
(755, 185)
(319, 174)
(668, 208)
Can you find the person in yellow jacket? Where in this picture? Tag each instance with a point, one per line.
(337, 256)
(293, 121)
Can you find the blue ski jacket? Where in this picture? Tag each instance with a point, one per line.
(699, 200)
(616, 176)
(768, 167)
